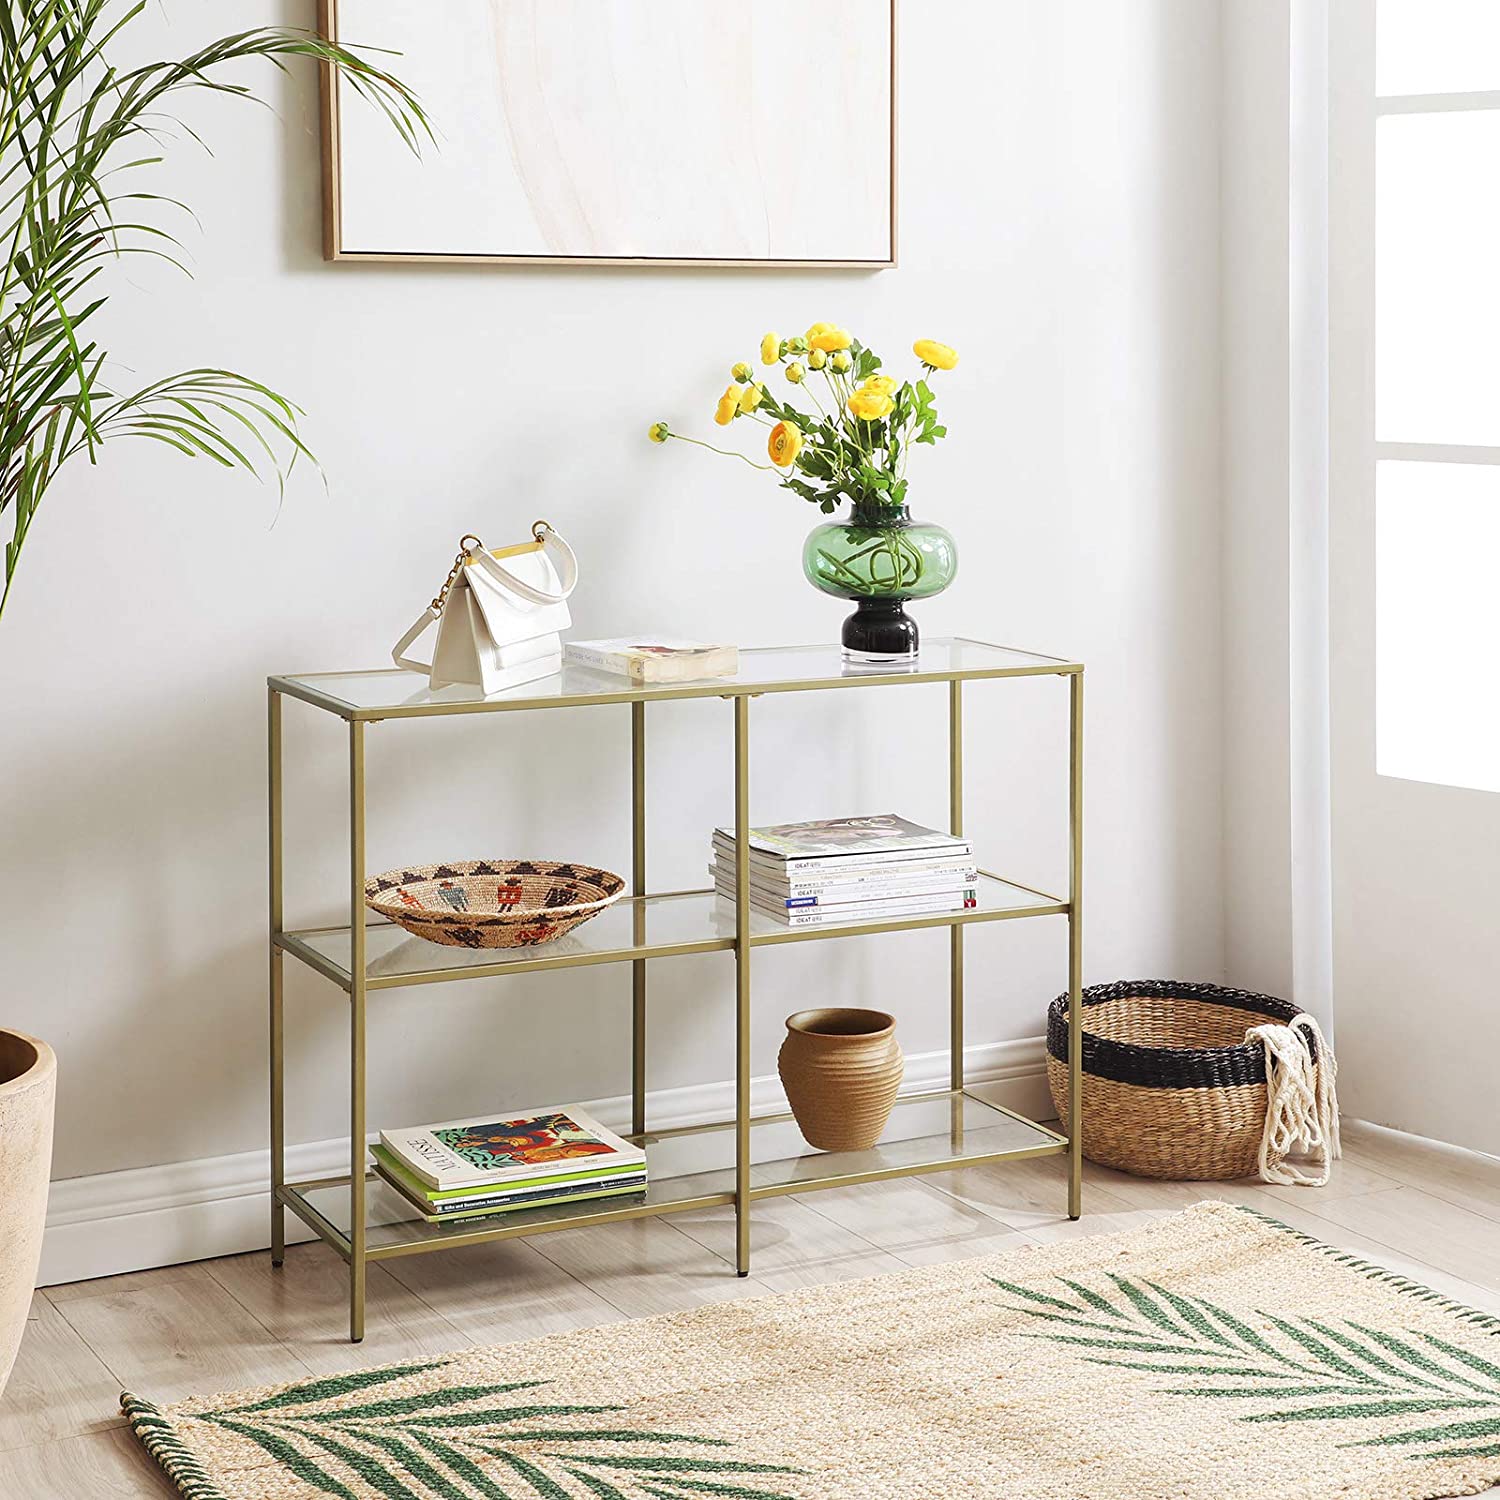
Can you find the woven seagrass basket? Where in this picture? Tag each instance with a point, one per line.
(493, 903)
(1170, 1088)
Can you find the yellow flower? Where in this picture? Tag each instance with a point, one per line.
(784, 444)
(660, 432)
(741, 371)
(828, 337)
(795, 373)
(770, 349)
(750, 397)
(870, 406)
(729, 405)
(841, 361)
(939, 356)
(881, 384)
(817, 359)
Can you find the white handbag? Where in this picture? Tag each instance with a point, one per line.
(498, 614)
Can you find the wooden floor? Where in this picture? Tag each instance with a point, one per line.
(1431, 1213)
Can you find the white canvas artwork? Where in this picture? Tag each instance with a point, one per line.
(670, 130)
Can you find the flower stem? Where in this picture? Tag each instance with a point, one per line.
(725, 452)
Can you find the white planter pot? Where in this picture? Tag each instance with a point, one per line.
(28, 1090)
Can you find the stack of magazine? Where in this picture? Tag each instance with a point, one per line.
(468, 1169)
(850, 870)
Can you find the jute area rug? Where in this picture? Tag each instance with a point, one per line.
(1212, 1354)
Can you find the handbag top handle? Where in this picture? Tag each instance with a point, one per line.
(547, 540)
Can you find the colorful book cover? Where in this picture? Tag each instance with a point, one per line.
(461, 1153)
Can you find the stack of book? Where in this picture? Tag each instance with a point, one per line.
(467, 1169)
(850, 870)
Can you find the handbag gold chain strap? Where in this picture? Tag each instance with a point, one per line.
(466, 545)
(458, 562)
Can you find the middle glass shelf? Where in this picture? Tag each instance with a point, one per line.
(665, 926)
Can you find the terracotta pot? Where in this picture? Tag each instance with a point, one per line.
(28, 1085)
(841, 1070)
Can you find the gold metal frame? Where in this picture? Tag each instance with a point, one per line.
(358, 982)
(333, 246)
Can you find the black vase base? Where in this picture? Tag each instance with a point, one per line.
(880, 634)
(879, 658)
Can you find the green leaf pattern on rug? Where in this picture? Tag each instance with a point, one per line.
(499, 1442)
(1331, 1371)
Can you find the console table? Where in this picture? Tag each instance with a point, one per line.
(735, 1161)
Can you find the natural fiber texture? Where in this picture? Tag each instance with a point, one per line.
(492, 903)
(1213, 1355)
(1302, 1104)
(1171, 1087)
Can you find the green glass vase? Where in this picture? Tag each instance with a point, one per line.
(880, 558)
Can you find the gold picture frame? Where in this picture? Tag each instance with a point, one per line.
(338, 246)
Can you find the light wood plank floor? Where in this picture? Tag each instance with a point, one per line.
(1429, 1212)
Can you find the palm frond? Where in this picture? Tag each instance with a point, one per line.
(75, 133)
(1330, 1372)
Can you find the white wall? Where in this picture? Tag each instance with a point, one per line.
(1059, 223)
(1274, 566)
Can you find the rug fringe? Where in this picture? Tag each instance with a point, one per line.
(1488, 1321)
(158, 1437)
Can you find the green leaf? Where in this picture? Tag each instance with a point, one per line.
(293, 1459)
(1485, 1427)
(540, 1483)
(1416, 1357)
(338, 1385)
(1472, 1360)
(1393, 1408)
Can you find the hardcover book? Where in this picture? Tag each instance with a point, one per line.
(544, 1143)
(792, 893)
(648, 661)
(865, 911)
(883, 836)
(486, 1207)
(585, 1177)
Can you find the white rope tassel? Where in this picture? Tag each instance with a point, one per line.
(1302, 1106)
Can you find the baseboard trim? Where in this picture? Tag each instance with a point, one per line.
(194, 1210)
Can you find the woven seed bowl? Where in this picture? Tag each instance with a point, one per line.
(493, 903)
(1170, 1088)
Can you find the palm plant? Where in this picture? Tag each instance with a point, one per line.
(75, 135)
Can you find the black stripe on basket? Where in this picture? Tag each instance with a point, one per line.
(1168, 1067)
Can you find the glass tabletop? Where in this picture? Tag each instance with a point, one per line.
(396, 694)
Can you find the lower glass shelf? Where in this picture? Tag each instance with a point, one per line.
(693, 1168)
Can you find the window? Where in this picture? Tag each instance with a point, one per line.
(1437, 391)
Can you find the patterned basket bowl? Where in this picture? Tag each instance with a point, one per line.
(493, 903)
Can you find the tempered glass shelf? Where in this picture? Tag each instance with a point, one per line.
(694, 1168)
(644, 927)
(392, 694)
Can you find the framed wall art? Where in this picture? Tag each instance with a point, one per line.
(620, 132)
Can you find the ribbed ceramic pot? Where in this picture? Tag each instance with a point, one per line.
(28, 1087)
(841, 1070)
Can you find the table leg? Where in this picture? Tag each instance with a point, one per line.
(638, 936)
(1074, 1124)
(278, 1036)
(356, 1031)
(956, 932)
(742, 983)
